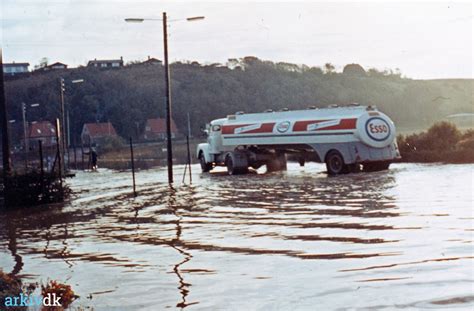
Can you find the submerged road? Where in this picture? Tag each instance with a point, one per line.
(402, 238)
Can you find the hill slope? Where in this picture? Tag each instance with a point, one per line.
(130, 95)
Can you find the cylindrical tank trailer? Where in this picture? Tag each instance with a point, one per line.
(345, 138)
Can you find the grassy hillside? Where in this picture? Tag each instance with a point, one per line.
(130, 95)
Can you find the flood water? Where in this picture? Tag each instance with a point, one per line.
(402, 238)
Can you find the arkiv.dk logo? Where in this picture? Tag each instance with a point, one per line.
(50, 300)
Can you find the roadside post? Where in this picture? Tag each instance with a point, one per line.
(133, 167)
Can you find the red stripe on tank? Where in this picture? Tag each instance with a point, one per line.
(344, 124)
(264, 128)
(229, 129)
(302, 126)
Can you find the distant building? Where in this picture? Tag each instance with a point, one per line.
(55, 66)
(112, 63)
(152, 61)
(44, 131)
(354, 70)
(15, 68)
(95, 133)
(155, 129)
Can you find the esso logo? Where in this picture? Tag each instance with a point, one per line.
(283, 127)
(377, 128)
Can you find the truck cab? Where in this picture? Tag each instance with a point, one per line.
(207, 151)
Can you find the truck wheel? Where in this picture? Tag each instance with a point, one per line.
(205, 167)
(335, 163)
(232, 169)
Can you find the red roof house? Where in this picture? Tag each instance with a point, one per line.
(152, 61)
(44, 131)
(94, 133)
(55, 66)
(156, 129)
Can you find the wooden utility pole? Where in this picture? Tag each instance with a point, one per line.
(25, 134)
(133, 168)
(62, 128)
(167, 86)
(59, 155)
(168, 101)
(189, 160)
(40, 149)
(4, 125)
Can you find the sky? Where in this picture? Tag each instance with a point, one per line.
(424, 40)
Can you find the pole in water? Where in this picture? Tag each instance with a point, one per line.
(89, 164)
(168, 101)
(82, 156)
(189, 125)
(62, 122)
(40, 148)
(58, 154)
(133, 167)
(188, 163)
(75, 156)
(189, 160)
(25, 134)
(184, 173)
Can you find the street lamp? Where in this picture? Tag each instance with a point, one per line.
(167, 83)
(67, 116)
(25, 130)
(65, 138)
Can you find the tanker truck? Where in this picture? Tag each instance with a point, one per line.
(347, 138)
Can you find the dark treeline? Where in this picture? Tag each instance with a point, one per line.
(442, 142)
(129, 96)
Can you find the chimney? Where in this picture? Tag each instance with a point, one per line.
(148, 57)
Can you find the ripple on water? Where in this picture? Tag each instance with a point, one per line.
(291, 232)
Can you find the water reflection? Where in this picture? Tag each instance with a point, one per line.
(355, 225)
(12, 247)
(247, 206)
(176, 242)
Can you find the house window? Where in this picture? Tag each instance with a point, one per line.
(103, 65)
(115, 64)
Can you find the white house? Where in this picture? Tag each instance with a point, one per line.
(15, 68)
(110, 63)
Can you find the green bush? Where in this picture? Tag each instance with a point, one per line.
(442, 136)
(443, 142)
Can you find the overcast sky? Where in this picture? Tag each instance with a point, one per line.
(424, 40)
